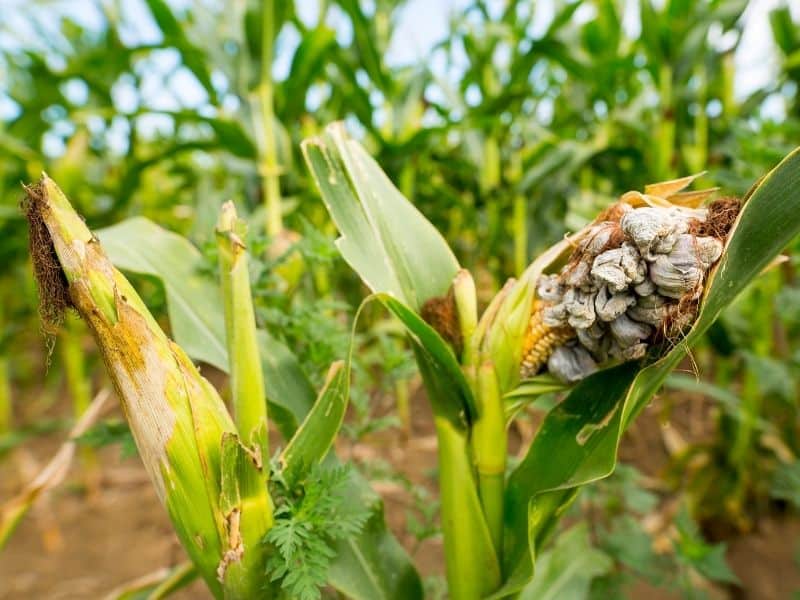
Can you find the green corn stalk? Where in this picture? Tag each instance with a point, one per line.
(472, 572)
(519, 218)
(488, 436)
(268, 167)
(244, 487)
(729, 107)
(203, 475)
(665, 137)
(403, 402)
(247, 382)
(489, 445)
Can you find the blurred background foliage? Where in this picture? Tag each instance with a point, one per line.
(517, 125)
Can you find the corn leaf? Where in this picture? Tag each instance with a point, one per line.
(316, 434)
(384, 238)
(455, 401)
(194, 304)
(582, 433)
(396, 252)
(568, 569)
(373, 565)
(307, 66)
(195, 311)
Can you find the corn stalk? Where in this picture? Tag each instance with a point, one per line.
(473, 372)
(187, 440)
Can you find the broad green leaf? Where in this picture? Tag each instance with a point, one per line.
(384, 238)
(575, 444)
(784, 31)
(194, 304)
(567, 571)
(195, 312)
(317, 432)
(373, 566)
(599, 409)
(441, 368)
(307, 66)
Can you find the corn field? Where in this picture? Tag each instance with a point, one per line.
(468, 299)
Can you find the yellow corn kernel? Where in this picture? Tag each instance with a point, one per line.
(540, 340)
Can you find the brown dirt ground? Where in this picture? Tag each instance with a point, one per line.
(77, 546)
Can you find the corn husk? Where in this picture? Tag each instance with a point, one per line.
(177, 418)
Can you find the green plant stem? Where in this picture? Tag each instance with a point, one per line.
(489, 448)
(665, 143)
(269, 168)
(520, 228)
(403, 404)
(699, 158)
(247, 381)
(245, 474)
(761, 319)
(490, 170)
(472, 573)
(729, 107)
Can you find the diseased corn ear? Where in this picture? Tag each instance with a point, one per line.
(540, 340)
(634, 279)
(177, 418)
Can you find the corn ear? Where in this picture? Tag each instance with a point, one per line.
(540, 341)
(177, 418)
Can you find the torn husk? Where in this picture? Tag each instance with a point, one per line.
(633, 281)
(176, 417)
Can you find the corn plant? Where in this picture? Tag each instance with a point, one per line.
(253, 526)
(478, 371)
